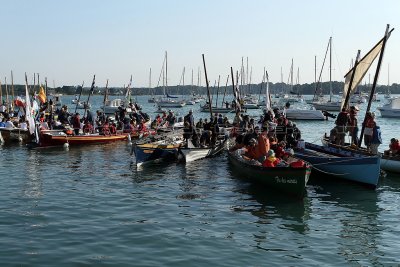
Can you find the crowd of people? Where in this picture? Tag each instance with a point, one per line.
(268, 141)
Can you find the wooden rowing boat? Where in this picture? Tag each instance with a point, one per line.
(286, 179)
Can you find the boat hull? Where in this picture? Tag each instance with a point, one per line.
(12, 135)
(390, 164)
(291, 181)
(300, 114)
(342, 164)
(53, 140)
(196, 153)
(153, 153)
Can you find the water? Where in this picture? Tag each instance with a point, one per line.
(91, 206)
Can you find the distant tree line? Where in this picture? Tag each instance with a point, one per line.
(304, 89)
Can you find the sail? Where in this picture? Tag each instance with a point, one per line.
(360, 70)
(28, 112)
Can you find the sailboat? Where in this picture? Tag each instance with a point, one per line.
(168, 101)
(330, 105)
(301, 111)
(352, 161)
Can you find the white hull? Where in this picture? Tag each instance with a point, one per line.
(304, 114)
(192, 154)
(328, 106)
(389, 113)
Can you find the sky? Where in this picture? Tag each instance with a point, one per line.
(70, 41)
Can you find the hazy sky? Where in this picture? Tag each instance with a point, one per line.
(69, 41)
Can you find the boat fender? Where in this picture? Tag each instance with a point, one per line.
(66, 145)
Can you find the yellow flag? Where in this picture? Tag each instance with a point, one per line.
(42, 95)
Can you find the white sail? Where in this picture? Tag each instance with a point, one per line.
(360, 70)
(28, 115)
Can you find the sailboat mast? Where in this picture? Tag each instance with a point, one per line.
(378, 67)
(216, 100)
(12, 89)
(346, 100)
(330, 69)
(208, 88)
(226, 85)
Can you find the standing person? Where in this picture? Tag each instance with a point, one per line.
(341, 123)
(353, 124)
(76, 123)
(376, 139)
(369, 124)
(189, 119)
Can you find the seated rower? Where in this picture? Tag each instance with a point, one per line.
(394, 147)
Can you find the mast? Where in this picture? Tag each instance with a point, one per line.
(1, 94)
(90, 93)
(208, 89)
(12, 90)
(7, 99)
(261, 85)
(79, 97)
(216, 99)
(330, 69)
(226, 85)
(346, 100)
(105, 94)
(378, 67)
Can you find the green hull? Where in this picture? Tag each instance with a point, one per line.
(288, 180)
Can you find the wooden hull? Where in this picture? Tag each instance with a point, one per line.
(13, 135)
(291, 181)
(59, 139)
(342, 164)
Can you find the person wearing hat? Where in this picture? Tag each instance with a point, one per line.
(271, 160)
(352, 126)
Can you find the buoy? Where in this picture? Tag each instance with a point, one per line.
(20, 139)
(66, 145)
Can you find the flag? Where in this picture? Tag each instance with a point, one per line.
(42, 95)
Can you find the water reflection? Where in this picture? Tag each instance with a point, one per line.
(356, 209)
(33, 185)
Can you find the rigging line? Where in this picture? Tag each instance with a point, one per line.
(339, 161)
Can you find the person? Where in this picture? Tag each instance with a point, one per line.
(369, 124)
(220, 119)
(376, 139)
(76, 123)
(263, 144)
(88, 127)
(271, 160)
(9, 123)
(200, 124)
(189, 119)
(341, 125)
(251, 150)
(171, 118)
(353, 124)
(3, 123)
(394, 147)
